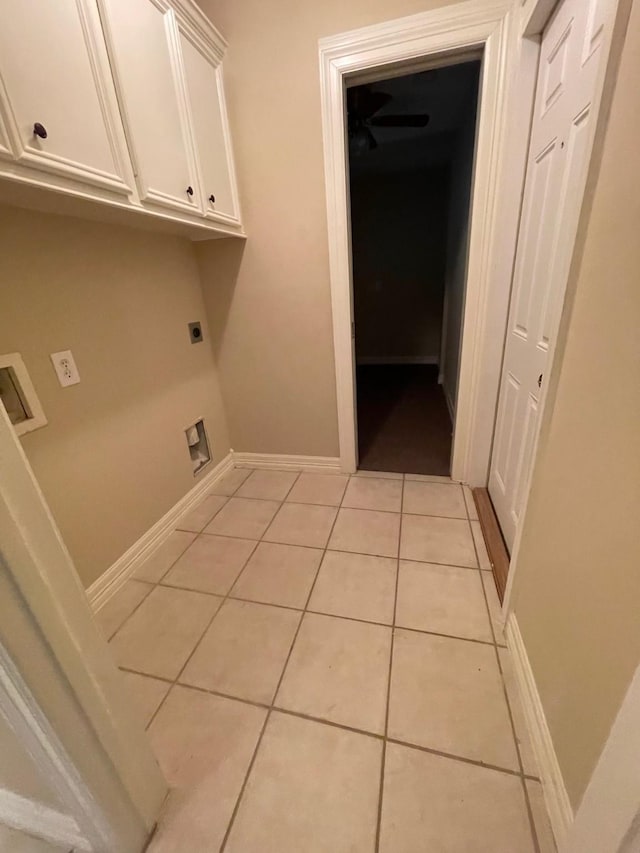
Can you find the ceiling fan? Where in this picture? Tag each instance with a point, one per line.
(362, 105)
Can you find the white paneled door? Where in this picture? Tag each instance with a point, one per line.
(561, 139)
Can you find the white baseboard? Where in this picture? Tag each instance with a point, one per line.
(115, 576)
(398, 359)
(322, 464)
(555, 793)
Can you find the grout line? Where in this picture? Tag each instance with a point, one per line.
(129, 615)
(532, 826)
(475, 762)
(389, 674)
(236, 807)
(208, 625)
(274, 707)
(292, 713)
(341, 550)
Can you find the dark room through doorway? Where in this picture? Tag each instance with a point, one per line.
(411, 153)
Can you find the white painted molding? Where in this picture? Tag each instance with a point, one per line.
(84, 826)
(39, 820)
(555, 793)
(397, 359)
(283, 461)
(115, 576)
(417, 41)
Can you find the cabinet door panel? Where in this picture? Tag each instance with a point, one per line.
(51, 71)
(140, 33)
(206, 102)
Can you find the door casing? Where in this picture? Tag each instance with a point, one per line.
(509, 65)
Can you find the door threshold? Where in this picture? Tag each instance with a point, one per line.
(496, 548)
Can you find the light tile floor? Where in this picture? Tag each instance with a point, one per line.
(321, 666)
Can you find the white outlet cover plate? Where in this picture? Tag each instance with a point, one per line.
(65, 367)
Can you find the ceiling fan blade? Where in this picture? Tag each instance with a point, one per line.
(364, 103)
(409, 120)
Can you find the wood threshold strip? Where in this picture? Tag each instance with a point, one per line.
(498, 554)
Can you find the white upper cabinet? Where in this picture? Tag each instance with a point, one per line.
(142, 36)
(118, 103)
(211, 133)
(56, 92)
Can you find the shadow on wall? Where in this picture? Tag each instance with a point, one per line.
(219, 263)
(399, 238)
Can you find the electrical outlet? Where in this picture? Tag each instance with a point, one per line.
(65, 368)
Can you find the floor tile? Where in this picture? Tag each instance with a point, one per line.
(301, 524)
(159, 637)
(481, 548)
(356, 585)
(201, 515)
(372, 493)
(434, 499)
(204, 744)
(366, 532)
(210, 564)
(231, 481)
(443, 599)
(325, 489)
(472, 510)
(495, 608)
(161, 560)
(386, 475)
(146, 693)
(527, 754)
(121, 605)
(338, 671)
(313, 788)
(433, 803)
(279, 574)
(244, 651)
(243, 517)
(437, 540)
(268, 485)
(447, 694)
(427, 478)
(544, 832)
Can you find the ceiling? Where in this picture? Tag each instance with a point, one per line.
(446, 94)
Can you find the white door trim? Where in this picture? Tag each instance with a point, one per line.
(499, 164)
(60, 688)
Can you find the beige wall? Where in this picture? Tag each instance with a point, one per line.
(276, 349)
(577, 591)
(399, 237)
(113, 457)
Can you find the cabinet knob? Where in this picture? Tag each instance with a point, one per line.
(189, 190)
(212, 198)
(39, 130)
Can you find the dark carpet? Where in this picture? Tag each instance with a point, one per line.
(403, 420)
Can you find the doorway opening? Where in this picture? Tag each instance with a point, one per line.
(410, 156)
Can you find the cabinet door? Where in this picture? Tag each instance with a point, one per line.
(209, 122)
(142, 35)
(55, 74)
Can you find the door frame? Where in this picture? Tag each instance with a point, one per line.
(504, 114)
(60, 690)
